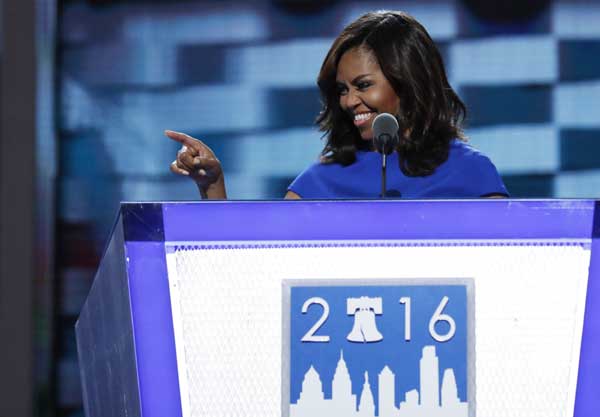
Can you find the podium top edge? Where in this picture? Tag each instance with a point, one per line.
(369, 201)
(252, 220)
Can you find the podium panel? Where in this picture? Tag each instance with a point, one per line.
(366, 308)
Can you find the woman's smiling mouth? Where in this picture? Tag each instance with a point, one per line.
(362, 118)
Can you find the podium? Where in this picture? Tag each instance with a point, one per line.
(383, 307)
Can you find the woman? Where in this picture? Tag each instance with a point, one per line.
(384, 62)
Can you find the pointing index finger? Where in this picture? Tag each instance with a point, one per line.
(184, 139)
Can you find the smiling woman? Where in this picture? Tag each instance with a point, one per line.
(383, 62)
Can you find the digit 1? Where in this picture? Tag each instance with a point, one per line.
(406, 302)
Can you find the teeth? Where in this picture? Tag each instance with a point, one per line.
(362, 116)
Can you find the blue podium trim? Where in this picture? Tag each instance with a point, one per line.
(153, 328)
(587, 400)
(596, 222)
(395, 219)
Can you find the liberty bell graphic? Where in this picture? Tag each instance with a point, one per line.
(364, 310)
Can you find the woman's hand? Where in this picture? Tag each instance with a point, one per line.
(198, 161)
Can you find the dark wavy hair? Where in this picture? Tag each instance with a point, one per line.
(431, 113)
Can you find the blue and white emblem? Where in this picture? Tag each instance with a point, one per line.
(397, 349)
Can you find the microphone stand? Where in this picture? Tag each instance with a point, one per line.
(383, 173)
(386, 147)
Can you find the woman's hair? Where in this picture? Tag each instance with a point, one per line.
(430, 111)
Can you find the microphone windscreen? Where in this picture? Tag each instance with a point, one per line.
(385, 123)
(385, 133)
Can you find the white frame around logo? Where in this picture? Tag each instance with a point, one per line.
(288, 284)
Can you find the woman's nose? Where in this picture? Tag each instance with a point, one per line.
(352, 99)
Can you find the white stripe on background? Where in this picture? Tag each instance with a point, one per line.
(580, 184)
(518, 59)
(577, 104)
(199, 24)
(519, 149)
(572, 19)
(286, 64)
(208, 109)
(283, 153)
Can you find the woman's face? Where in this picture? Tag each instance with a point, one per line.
(363, 90)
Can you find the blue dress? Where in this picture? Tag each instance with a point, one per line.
(467, 173)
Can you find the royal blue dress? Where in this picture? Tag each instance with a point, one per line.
(467, 173)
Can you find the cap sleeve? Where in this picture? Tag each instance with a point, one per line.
(487, 180)
(308, 183)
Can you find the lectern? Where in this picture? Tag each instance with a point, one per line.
(343, 308)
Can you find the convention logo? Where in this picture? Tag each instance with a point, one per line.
(397, 350)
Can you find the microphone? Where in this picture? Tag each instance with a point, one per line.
(385, 139)
(385, 133)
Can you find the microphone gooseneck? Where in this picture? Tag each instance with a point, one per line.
(385, 139)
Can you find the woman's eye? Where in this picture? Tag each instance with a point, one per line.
(363, 85)
(342, 91)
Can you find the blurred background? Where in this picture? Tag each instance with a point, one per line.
(88, 86)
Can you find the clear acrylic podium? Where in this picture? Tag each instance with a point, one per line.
(186, 316)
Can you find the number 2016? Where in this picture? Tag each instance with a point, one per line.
(437, 317)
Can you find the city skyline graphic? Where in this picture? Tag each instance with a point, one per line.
(431, 399)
